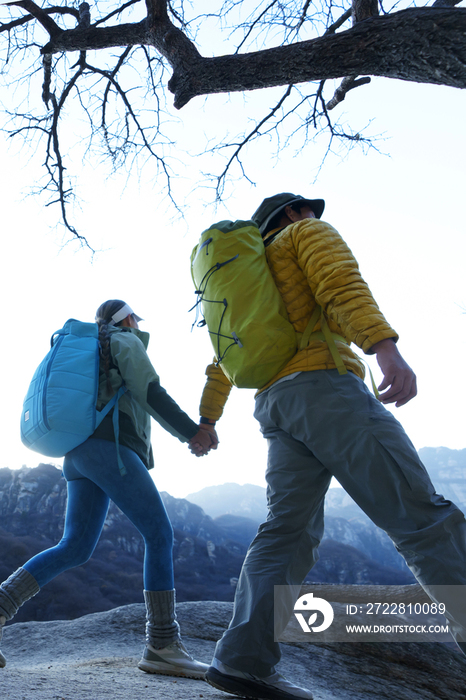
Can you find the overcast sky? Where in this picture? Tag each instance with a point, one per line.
(402, 215)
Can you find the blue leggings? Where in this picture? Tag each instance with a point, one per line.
(93, 478)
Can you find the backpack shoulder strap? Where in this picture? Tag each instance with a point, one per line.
(310, 327)
(326, 335)
(116, 423)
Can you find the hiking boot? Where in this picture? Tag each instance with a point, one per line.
(16, 590)
(172, 660)
(274, 687)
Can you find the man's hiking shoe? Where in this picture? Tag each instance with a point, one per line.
(274, 687)
(173, 660)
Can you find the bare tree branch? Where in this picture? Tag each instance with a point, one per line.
(339, 22)
(360, 50)
(118, 11)
(47, 63)
(57, 166)
(363, 9)
(360, 10)
(446, 3)
(257, 21)
(242, 145)
(347, 84)
(424, 45)
(43, 17)
(84, 15)
(47, 10)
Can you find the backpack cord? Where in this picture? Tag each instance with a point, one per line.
(200, 298)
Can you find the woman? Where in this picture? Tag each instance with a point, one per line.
(93, 478)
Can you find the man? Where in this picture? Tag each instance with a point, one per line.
(321, 421)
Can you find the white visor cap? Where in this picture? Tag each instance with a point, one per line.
(125, 311)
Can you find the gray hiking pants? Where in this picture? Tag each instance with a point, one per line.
(318, 425)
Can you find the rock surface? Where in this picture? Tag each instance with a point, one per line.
(95, 658)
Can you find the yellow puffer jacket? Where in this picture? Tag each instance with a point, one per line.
(311, 264)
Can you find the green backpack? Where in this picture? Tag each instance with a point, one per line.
(244, 312)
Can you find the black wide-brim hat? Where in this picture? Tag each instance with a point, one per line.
(271, 206)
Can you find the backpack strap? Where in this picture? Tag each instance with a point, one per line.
(326, 335)
(303, 343)
(116, 417)
(116, 423)
(116, 430)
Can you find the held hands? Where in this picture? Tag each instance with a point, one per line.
(399, 379)
(206, 439)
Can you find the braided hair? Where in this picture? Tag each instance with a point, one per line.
(103, 317)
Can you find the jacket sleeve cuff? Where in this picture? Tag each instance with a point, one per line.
(369, 344)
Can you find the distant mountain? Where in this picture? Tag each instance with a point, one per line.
(447, 469)
(350, 540)
(208, 551)
(248, 501)
(339, 505)
(343, 564)
(345, 522)
(240, 529)
(32, 506)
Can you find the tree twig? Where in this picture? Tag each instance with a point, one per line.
(347, 84)
(43, 17)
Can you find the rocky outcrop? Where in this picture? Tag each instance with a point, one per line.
(32, 494)
(96, 656)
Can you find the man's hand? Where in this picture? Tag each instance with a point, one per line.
(399, 379)
(206, 439)
(213, 434)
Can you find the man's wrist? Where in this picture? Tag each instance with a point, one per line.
(386, 344)
(207, 421)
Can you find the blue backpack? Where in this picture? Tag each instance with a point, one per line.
(59, 411)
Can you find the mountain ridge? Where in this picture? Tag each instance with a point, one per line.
(208, 552)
